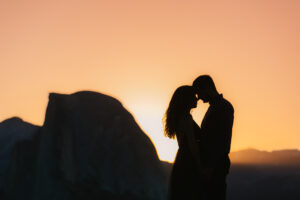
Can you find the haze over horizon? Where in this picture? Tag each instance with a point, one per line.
(140, 52)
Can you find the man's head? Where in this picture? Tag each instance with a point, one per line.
(204, 87)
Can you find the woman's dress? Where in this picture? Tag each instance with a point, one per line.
(184, 180)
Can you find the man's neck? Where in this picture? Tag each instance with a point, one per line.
(213, 97)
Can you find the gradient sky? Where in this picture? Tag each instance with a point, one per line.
(141, 51)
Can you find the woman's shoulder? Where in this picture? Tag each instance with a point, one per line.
(184, 121)
(185, 118)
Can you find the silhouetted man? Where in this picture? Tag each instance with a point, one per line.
(216, 131)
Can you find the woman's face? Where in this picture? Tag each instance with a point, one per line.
(194, 100)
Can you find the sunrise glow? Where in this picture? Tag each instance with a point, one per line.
(141, 51)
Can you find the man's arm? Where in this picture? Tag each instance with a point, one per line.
(217, 132)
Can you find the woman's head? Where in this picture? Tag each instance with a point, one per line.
(182, 101)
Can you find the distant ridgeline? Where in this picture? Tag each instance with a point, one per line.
(90, 147)
(289, 157)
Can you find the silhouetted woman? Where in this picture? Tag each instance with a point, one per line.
(184, 181)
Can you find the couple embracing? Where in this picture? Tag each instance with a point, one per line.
(202, 163)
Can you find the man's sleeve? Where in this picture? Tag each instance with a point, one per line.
(218, 134)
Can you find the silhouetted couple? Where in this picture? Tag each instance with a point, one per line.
(202, 162)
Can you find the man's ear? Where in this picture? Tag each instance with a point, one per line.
(211, 92)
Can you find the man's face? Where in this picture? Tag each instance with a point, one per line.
(203, 95)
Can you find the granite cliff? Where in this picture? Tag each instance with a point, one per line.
(89, 147)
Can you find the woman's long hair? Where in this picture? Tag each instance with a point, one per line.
(179, 105)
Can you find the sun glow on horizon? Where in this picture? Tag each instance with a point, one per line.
(139, 52)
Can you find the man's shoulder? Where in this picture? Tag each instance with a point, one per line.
(226, 105)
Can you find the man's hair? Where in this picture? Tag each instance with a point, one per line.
(204, 82)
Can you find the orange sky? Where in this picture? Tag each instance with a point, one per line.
(141, 51)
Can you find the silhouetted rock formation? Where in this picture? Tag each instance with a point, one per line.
(20, 177)
(89, 147)
(12, 132)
